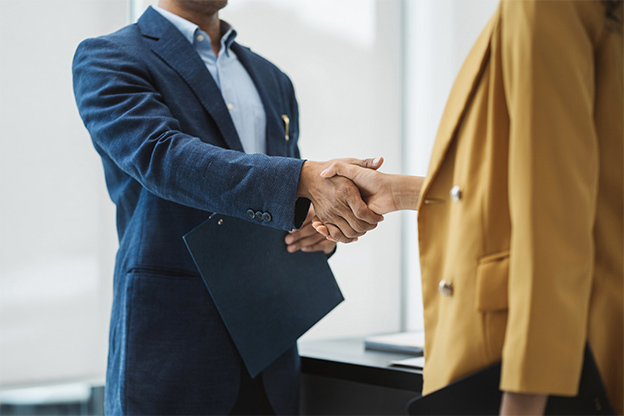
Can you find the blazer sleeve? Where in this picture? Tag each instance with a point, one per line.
(130, 123)
(548, 70)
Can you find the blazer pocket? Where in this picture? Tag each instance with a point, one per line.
(492, 282)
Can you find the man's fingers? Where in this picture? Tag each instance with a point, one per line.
(367, 218)
(324, 230)
(306, 242)
(336, 234)
(291, 248)
(355, 211)
(340, 206)
(306, 231)
(325, 246)
(348, 212)
(347, 232)
(358, 227)
(320, 228)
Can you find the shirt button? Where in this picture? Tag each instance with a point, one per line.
(251, 214)
(445, 288)
(456, 193)
(230, 106)
(200, 38)
(258, 215)
(266, 217)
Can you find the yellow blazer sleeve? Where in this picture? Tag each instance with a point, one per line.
(547, 53)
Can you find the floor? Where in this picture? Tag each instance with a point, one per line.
(93, 405)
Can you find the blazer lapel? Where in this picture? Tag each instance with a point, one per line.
(275, 143)
(178, 53)
(464, 85)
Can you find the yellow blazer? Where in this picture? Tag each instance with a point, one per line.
(520, 217)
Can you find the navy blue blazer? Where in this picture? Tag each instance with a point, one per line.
(171, 157)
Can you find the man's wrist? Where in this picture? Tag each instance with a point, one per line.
(309, 173)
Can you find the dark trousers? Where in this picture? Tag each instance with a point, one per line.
(252, 398)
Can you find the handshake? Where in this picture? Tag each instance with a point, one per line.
(349, 197)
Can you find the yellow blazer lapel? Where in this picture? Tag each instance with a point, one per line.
(466, 81)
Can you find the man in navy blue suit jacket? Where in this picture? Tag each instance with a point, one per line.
(172, 154)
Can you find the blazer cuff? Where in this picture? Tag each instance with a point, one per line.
(302, 206)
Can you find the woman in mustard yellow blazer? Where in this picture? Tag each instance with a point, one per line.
(520, 215)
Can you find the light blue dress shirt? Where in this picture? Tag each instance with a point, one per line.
(237, 88)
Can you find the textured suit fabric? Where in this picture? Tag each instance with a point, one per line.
(532, 136)
(171, 157)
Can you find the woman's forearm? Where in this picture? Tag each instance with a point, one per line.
(406, 191)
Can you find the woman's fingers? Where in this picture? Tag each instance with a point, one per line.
(348, 167)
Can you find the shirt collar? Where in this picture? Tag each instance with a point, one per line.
(190, 30)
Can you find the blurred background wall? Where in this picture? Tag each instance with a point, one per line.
(371, 76)
(57, 230)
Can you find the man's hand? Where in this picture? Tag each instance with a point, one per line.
(307, 239)
(382, 193)
(376, 188)
(337, 201)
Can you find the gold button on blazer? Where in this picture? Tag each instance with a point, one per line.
(527, 226)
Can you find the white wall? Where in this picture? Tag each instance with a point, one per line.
(438, 36)
(56, 231)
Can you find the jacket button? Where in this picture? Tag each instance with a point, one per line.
(250, 213)
(266, 217)
(445, 288)
(456, 193)
(258, 215)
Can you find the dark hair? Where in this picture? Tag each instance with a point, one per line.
(611, 6)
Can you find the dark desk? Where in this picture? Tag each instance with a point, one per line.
(340, 377)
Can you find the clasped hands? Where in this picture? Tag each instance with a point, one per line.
(349, 198)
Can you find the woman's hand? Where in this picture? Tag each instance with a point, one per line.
(375, 187)
(523, 404)
(381, 192)
(337, 200)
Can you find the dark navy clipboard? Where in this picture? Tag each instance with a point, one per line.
(266, 296)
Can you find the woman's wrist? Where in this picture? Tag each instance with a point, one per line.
(406, 191)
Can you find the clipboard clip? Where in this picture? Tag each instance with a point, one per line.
(220, 222)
